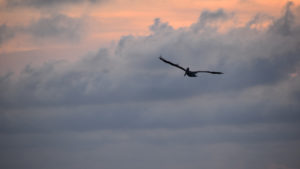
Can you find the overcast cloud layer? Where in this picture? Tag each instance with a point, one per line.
(123, 108)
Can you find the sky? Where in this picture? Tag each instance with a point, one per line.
(81, 85)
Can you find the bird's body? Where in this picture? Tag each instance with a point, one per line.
(190, 73)
(187, 70)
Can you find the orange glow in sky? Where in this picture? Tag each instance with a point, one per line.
(106, 21)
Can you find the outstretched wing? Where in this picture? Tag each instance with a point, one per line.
(209, 72)
(173, 64)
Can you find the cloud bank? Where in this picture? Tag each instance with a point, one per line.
(122, 107)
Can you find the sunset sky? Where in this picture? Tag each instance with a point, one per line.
(34, 31)
(81, 85)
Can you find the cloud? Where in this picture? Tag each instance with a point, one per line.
(248, 58)
(45, 3)
(5, 33)
(284, 24)
(123, 104)
(208, 17)
(131, 73)
(58, 26)
(159, 27)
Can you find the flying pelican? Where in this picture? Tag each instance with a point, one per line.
(187, 70)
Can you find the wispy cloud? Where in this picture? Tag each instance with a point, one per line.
(45, 3)
(56, 27)
(59, 26)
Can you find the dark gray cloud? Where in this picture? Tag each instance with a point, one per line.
(122, 106)
(5, 33)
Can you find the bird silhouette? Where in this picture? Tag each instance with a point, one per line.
(187, 71)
